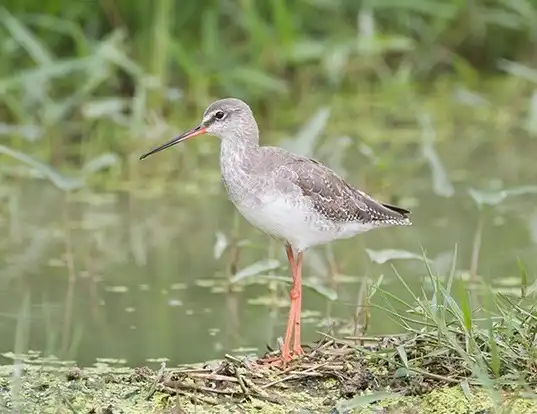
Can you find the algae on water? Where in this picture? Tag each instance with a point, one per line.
(332, 378)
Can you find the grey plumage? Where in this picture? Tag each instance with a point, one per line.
(291, 198)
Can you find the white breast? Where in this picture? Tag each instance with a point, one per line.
(296, 223)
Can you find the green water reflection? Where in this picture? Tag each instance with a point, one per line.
(133, 275)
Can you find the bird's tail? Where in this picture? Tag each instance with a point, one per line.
(405, 219)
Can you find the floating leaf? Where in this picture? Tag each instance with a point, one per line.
(383, 256)
(110, 361)
(363, 400)
(268, 300)
(441, 184)
(117, 289)
(206, 283)
(220, 245)
(493, 198)
(59, 180)
(255, 269)
(324, 291)
(511, 280)
(177, 286)
(161, 359)
(465, 275)
(341, 278)
(175, 303)
(320, 289)
(524, 190)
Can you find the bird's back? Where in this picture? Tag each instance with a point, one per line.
(298, 199)
(331, 196)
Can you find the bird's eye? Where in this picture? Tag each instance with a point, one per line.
(219, 115)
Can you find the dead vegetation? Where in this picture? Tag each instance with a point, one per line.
(397, 374)
(335, 369)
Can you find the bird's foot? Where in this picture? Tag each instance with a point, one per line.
(279, 361)
(276, 362)
(282, 360)
(298, 351)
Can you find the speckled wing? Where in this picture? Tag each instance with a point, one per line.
(336, 200)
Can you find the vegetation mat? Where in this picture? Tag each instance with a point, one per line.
(334, 376)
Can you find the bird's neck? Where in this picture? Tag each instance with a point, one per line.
(239, 153)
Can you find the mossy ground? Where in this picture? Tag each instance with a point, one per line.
(329, 375)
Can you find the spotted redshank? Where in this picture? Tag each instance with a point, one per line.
(294, 199)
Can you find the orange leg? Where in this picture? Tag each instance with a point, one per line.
(293, 321)
(297, 286)
(286, 348)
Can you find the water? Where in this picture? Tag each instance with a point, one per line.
(132, 274)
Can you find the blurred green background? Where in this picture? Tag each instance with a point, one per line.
(428, 103)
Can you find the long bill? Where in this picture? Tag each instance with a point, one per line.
(198, 130)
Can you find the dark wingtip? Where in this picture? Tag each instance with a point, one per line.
(405, 213)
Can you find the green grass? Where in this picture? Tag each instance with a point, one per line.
(451, 340)
(493, 344)
(82, 79)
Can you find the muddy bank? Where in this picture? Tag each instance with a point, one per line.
(333, 377)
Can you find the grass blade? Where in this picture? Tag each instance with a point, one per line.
(59, 180)
(30, 42)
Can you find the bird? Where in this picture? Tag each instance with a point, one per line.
(294, 199)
